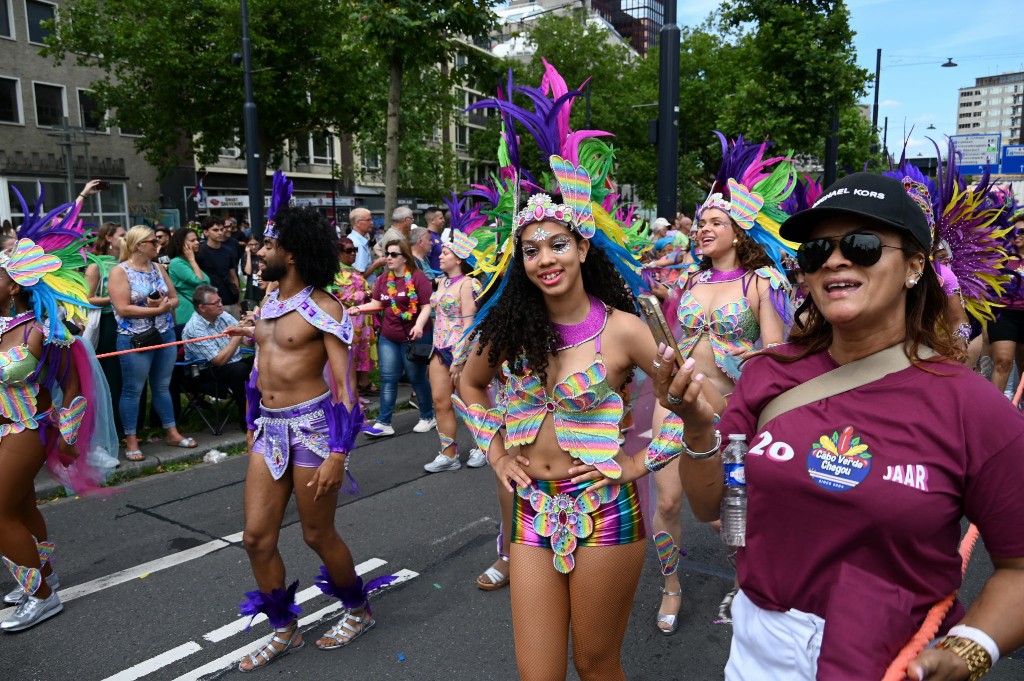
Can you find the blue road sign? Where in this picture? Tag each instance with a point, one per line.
(1013, 159)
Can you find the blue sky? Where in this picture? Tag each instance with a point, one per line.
(983, 36)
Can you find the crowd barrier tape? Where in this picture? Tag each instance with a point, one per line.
(158, 347)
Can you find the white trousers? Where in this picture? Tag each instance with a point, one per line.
(781, 646)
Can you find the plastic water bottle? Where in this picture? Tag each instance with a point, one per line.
(734, 497)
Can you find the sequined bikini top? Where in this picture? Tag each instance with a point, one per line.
(17, 393)
(586, 412)
(730, 328)
(16, 365)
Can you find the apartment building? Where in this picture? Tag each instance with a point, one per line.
(52, 131)
(993, 105)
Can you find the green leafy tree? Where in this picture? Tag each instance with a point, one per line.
(408, 37)
(169, 71)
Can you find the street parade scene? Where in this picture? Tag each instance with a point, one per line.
(547, 340)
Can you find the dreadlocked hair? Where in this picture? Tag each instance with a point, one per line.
(750, 253)
(927, 324)
(518, 327)
(311, 241)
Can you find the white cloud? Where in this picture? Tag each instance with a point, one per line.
(890, 102)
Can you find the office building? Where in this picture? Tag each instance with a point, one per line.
(993, 105)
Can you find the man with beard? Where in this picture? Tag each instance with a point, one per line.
(300, 433)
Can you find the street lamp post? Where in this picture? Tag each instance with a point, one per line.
(874, 109)
(668, 115)
(249, 120)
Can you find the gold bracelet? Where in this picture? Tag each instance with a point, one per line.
(978, 661)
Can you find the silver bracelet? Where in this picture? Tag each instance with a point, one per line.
(698, 456)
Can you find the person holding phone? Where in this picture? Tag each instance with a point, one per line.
(403, 294)
(734, 302)
(144, 299)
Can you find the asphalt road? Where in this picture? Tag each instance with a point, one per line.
(164, 571)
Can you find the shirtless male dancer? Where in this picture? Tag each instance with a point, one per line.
(300, 434)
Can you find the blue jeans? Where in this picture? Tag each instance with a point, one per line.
(392, 360)
(136, 367)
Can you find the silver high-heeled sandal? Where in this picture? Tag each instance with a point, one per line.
(671, 620)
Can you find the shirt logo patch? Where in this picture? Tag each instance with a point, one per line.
(839, 462)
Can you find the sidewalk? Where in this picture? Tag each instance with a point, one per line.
(161, 454)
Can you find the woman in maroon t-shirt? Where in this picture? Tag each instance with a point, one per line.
(855, 499)
(403, 293)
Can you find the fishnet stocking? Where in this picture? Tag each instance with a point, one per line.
(597, 594)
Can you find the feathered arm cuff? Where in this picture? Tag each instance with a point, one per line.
(343, 426)
(253, 396)
(482, 422)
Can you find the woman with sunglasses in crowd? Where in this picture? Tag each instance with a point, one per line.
(856, 489)
(403, 293)
(736, 301)
(352, 289)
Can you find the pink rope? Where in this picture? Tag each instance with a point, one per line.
(933, 620)
(157, 347)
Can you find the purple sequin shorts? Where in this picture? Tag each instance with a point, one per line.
(296, 434)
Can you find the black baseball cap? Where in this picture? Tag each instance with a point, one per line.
(866, 195)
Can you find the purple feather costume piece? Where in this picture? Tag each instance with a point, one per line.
(279, 606)
(354, 596)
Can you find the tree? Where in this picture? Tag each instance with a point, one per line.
(796, 48)
(407, 36)
(169, 72)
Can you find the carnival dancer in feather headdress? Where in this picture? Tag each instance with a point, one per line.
(454, 305)
(734, 303)
(562, 332)
(303, 434)
(41, 286)
(926, 195)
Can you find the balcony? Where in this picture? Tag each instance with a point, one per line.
(35, 163)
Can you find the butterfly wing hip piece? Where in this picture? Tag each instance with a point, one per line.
(566, 520)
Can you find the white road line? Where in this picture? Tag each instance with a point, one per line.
(239, 625)
(154, 663)
(470, 526)
(236, 655)
(143, 570)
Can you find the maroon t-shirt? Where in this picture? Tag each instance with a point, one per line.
(876, 478)
(394, 328)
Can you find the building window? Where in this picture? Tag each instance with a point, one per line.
(10, 101)
(92, 117)
(110, 205)
(369, 160)
(51, 108)
(36, 13)
(6, 19)
(461, 137)
(320, 148)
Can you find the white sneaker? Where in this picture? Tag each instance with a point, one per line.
(477, 458)
(443, 463)
(423, 426)
(379, 430)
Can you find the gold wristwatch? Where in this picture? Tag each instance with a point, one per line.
(977, 658)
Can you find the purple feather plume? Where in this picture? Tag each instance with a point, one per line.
(280, 195)
(253, 396)
(279, 606)
(354, 596)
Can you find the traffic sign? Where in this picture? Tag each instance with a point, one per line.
(1013, 159)
(978, 153)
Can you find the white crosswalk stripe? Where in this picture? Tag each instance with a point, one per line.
(222, 633)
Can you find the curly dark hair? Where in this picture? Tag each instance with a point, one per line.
(750, 253)
(926, 325)
(517, 327)
(305, 234)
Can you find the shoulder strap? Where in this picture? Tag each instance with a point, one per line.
(842, 379)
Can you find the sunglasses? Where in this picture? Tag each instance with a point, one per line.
(859, 248)
(393, 254)
(350, 251)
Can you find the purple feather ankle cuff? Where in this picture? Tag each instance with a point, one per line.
(279, 606)
(354, 596)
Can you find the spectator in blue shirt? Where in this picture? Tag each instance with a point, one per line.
(225, 363)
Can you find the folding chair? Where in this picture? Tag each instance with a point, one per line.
(210, 400)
